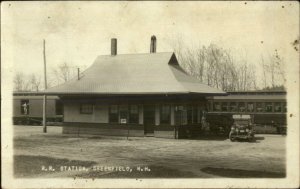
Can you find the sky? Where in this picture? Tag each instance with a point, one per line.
(77, 32)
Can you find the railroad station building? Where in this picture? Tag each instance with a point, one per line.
(133, 94)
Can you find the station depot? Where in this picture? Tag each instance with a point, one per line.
(133, 94)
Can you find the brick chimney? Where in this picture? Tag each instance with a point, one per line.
(113, 47)
(153, 44)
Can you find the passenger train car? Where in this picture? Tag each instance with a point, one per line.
(266, 108)
(28, 109)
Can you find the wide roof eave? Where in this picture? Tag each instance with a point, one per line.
(118, 93)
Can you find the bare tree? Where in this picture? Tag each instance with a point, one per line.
(264, 69)
(200, 54)
(62, 73)
(247, 77)
(35, 82)
(279, 68)
(20, 82)
(215, 66)
(273, 71)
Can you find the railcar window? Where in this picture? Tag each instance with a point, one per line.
(113, 114)
(284, 107)
(165, 114)
(233, 107)
(24, 107)
(224, 106)
(259, 107)
(277, 107)
(241, 107)
(86, 108)
(250, 106)
(209, 106)
(133, 114)
(268, 107)
(217, 106)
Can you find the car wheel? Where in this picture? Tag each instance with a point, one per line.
(232, 139)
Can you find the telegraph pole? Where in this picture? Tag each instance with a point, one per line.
(45, 97)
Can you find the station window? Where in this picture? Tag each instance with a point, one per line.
(86, 108)
(192, 114)
(277, 107)
(224, 106)
(195, 114)
(165, 114)
(189, 114)
(180, 115)
(133, 114)
(233, 107)
(24, 107)
(250, 106)
(113, 114)
(59, 107)
(217, 106)
(259, 107)
(241, 107)
(268, 107)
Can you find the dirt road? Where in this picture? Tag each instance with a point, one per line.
(114, 157)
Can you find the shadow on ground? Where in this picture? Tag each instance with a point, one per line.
(32, 166)
(259, 138)
(239, 173)
(154, 172)
(211, 137)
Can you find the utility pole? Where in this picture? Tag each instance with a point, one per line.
(45, 97)
(78, 73)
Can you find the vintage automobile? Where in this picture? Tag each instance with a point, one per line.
(241, 128)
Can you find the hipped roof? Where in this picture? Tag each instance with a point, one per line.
(154, 73)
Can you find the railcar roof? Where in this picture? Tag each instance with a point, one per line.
(251, 97)
(33, 97)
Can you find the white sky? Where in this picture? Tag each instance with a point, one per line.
(77, 32)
